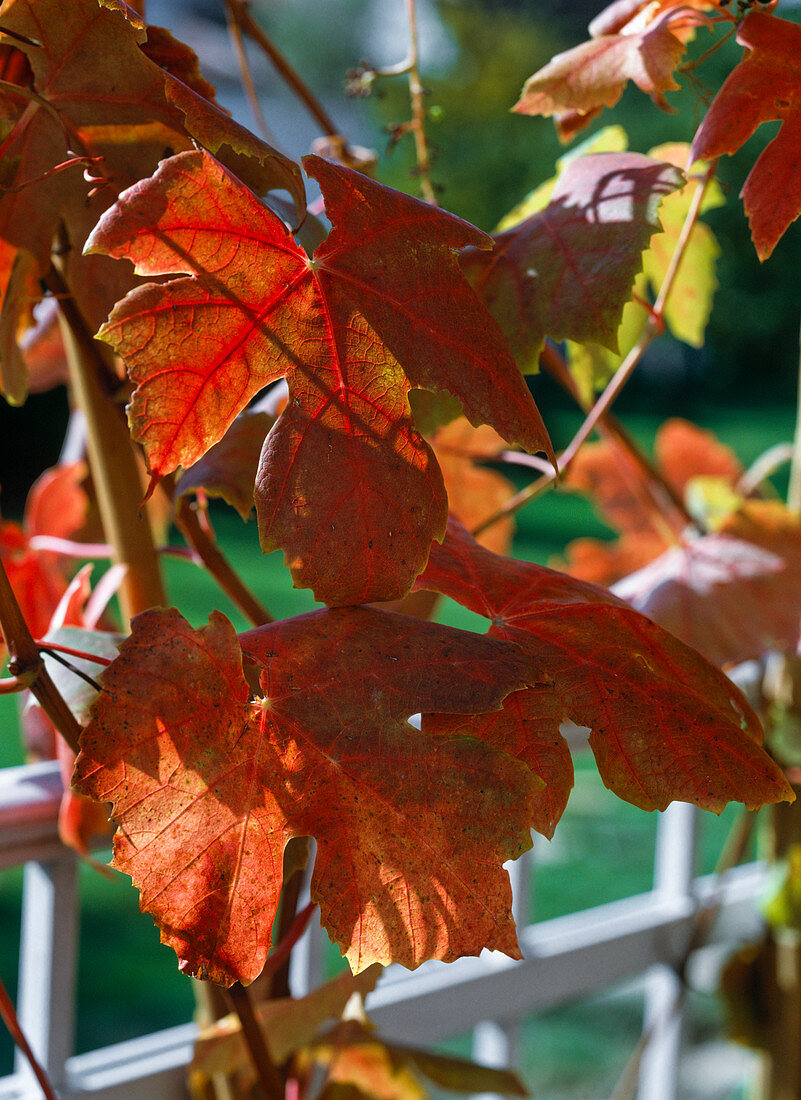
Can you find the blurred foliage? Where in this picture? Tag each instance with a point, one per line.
(488, 159)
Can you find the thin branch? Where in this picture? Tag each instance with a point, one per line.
(187, 522)
(239, 12)
(266, 1070)
(684, 240)
(245, 75)
(794, 488)
(764, 467)
(418, 123)
(52, 649)
(10, 1019)
(291, 925)
(75, 671)
(662, 494)
(111, 459)
(12, 685)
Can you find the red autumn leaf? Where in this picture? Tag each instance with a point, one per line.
(208, 785)
(56, 506)
(382, 307)
(631, 502)
(594, 74)
(176, 58)
(228, 469)
(665, 723)
(732, 595)
(766, 85)
(568, 271)
(684, 451)
(90, 91)
(528, 728)
(631, 15)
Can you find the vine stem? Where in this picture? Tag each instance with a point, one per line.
(239, 12)
(26, 661)
(187, 522)
(111, 459)
(794, 488)
(269, 1077)
(235, 30)
(10, 1019)
(417, 97)
(662, 494)
(654, 327)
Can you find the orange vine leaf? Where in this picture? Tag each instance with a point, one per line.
(766, 85)
(209, 784)
(381, 308)
(666, 725)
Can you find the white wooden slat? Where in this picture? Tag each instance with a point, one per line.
(675, 861)
(564, 959)
(29, 799)
(48, 943)
(495, 1045)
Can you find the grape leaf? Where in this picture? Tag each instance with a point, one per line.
(228, 469)
(344, 475)
(208, 785)
(89, 90)
(568, 271)
(287, 1024)
(628, 501)
(689, 303)
(763, 87)
(528, 728)
(665, 723)
(645, 49)
(733, 594)
(610, 139)
(357, 1059)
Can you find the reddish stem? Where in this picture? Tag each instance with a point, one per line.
(9, 1014)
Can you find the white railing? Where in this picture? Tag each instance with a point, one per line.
(565, 958)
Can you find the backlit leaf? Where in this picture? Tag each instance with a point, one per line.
(96, 94)
(665, 723)
(766, 85)
(733, 594)
(595, 74)
(344, 475)
(208, 785)
(568, 271)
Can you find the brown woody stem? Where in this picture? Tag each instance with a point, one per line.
(25, 661)
(111, 459)
(239, 12)
(208, 551)
(417, 96)
(270, 1079)
(235, 30)
(662, 494)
